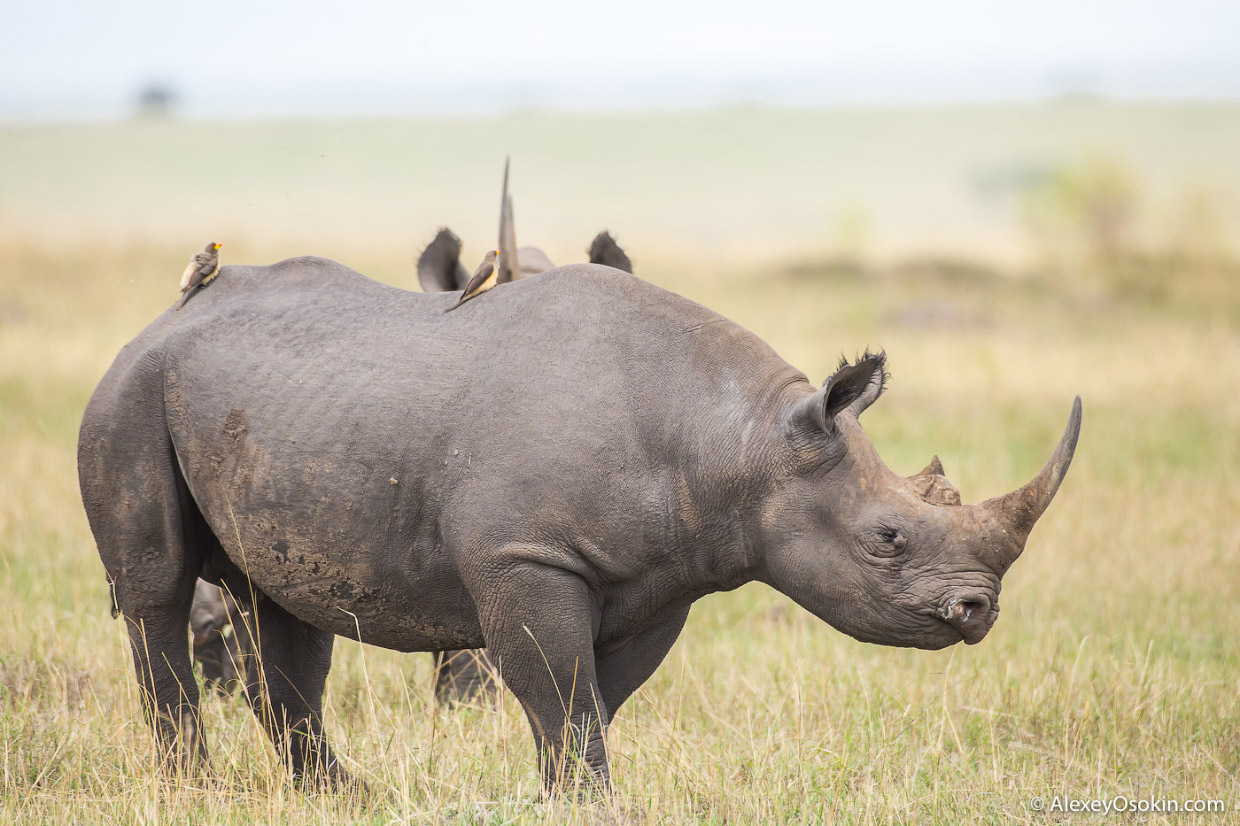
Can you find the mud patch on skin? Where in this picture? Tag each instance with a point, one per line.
(235, 425)
(238, 448)
(343, 591)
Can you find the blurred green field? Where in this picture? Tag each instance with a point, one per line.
(1114, 669)
(746, 182)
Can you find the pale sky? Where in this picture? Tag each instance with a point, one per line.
(244, 58)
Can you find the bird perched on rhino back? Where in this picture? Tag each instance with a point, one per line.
(202, 267)
(485, 277)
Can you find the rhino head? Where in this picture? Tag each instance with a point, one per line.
(218, 626)
(885, 558)
(440, 268)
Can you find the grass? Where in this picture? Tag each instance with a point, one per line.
(1113, 671)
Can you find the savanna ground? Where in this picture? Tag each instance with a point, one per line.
(1006, 259)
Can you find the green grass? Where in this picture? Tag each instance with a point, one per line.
(1113, 671)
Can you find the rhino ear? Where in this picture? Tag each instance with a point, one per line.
(876, 384)
(439, 266)
(855, 386)
(852, 387)
(605, 250)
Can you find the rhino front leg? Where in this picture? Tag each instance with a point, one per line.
(624, 664)
(539, 623)
(284, 685)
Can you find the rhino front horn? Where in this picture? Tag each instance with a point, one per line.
(1015, 513)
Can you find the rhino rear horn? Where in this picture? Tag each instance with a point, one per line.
(439, 266)
(604, 250)
(1014, 514)
(509, 259)
(932, 485)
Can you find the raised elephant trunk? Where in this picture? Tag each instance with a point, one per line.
(1007, 520)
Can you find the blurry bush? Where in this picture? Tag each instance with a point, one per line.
(1092, 234)
(155, 100)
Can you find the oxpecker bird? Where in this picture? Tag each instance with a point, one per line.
(485, 277)
(198, 273)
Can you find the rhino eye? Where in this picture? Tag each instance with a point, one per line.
(890, 541)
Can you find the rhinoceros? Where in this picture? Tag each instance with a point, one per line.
(555, 472)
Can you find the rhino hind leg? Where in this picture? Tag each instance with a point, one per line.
(462, 676)
(151, 539)
(167, 687)
(284, 682)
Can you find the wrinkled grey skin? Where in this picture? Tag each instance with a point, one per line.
(555, 473)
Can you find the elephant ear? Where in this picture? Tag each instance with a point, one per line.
(604, 250)
(439, 266)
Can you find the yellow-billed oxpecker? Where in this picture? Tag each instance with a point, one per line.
(485, 277)
(198, 273)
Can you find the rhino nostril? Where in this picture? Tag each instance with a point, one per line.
(967, 611)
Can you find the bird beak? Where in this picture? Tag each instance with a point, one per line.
(217, 246)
